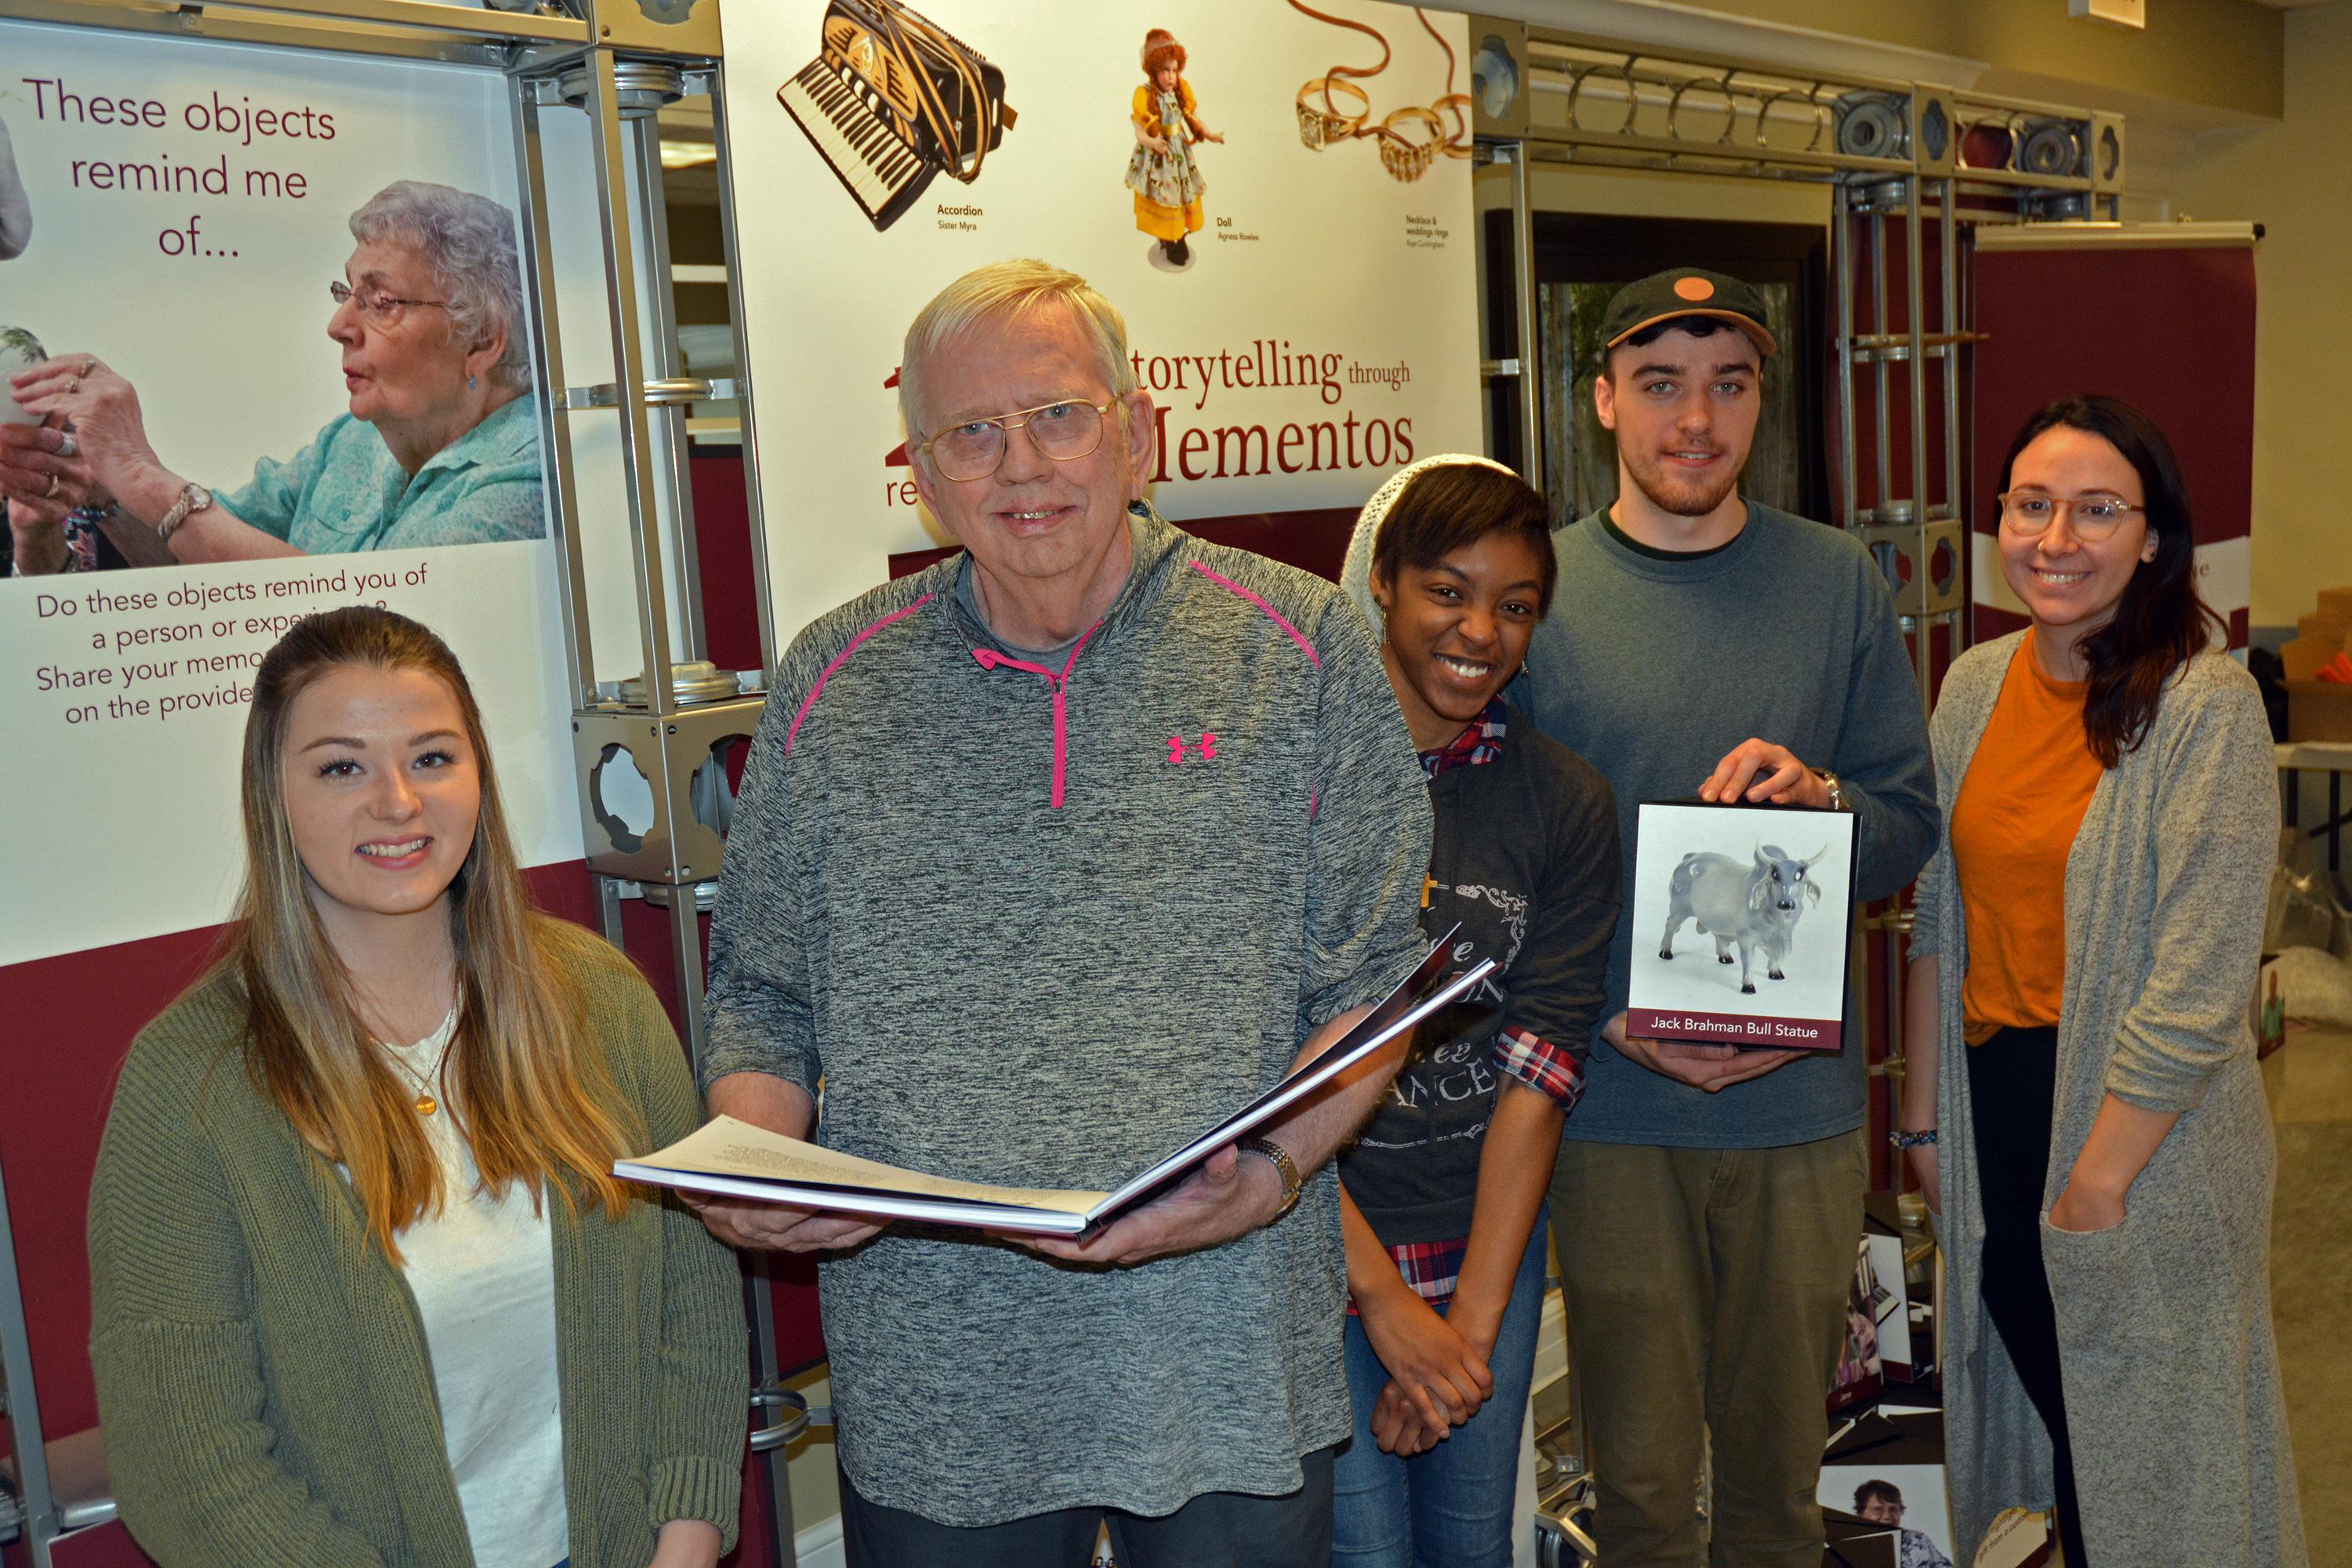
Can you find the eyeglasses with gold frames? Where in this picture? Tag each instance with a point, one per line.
(379, 307)
(2095, 517)
(1065, 431)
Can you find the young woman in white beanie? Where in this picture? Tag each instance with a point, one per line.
(1444, 1191)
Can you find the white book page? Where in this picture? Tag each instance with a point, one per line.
(886, 1206)
(751, 1161)
(727, 1147)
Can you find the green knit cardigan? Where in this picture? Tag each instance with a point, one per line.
(262, 1374)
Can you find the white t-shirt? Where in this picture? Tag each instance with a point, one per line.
(483, 1272)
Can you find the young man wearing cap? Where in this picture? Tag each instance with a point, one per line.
(1707, 1200)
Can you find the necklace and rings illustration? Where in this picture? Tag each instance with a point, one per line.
(1333, 108)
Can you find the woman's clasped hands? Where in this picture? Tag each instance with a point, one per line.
(1437, 1378)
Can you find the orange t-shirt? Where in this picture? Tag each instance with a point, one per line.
(2020, 807)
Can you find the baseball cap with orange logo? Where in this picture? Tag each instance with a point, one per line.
(1686, 291)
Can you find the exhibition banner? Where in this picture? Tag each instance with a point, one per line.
(181, 266)
(1283, 218)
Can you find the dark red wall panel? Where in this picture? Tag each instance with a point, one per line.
(2169, 328)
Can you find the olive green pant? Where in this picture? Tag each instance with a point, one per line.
(1705, 1292)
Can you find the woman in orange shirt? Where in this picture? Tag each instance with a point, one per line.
(2081, 1103)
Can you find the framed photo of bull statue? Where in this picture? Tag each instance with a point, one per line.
(1742, 916)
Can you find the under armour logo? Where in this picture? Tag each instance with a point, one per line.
(1207, 749)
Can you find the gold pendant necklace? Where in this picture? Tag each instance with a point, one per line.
(426, 1103)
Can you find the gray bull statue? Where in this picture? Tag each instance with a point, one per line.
(1753, 908)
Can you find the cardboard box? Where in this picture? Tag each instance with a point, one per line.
(2302, 656)
(2319, 635)
(2018, 1539)
(2317, 709)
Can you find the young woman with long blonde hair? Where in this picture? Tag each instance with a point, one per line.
(364, 1287)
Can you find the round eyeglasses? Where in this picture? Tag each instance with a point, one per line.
(1064, 431)
(378, 306)
(2028, 514)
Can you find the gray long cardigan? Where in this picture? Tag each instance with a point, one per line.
(2170, 1369)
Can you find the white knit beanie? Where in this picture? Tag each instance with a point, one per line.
(1356, 574)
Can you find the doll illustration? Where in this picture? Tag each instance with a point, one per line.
(1162, 174)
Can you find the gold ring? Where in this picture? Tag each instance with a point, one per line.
(1319, 127)
(90, 366)
(1405, 159)
(1458, 145)
(73, 385)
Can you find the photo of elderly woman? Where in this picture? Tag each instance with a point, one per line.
(1881, 1502)
(438, 444)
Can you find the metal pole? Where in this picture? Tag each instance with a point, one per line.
(21, 1409)
(1955, 488)
(744, 401)
(758, 1286)
(1841, 286)
(1882, 490)
(669, 362)
(685, 943)
(608, 909)
(603, 106)
(555, 426)
(1523, 292)
(1915, 309)
(604, 110)
(759, 1292)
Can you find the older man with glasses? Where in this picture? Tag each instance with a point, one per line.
(1045, 859)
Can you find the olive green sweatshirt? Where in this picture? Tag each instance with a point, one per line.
(262, 1374)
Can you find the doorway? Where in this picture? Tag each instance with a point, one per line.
(1581, 259)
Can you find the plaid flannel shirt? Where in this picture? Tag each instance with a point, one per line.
(1432, 1268)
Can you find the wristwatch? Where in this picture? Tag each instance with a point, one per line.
(193, 499)
(1291, 1181)
(1837, 790)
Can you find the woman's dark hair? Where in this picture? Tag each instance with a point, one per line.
(1884, 1490)
(2160, 624)
(1451, 508)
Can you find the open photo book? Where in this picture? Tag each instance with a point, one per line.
(737, 1160)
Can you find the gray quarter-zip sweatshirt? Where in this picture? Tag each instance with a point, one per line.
(1039, 925)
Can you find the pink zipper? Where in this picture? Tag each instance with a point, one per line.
(989, 659)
